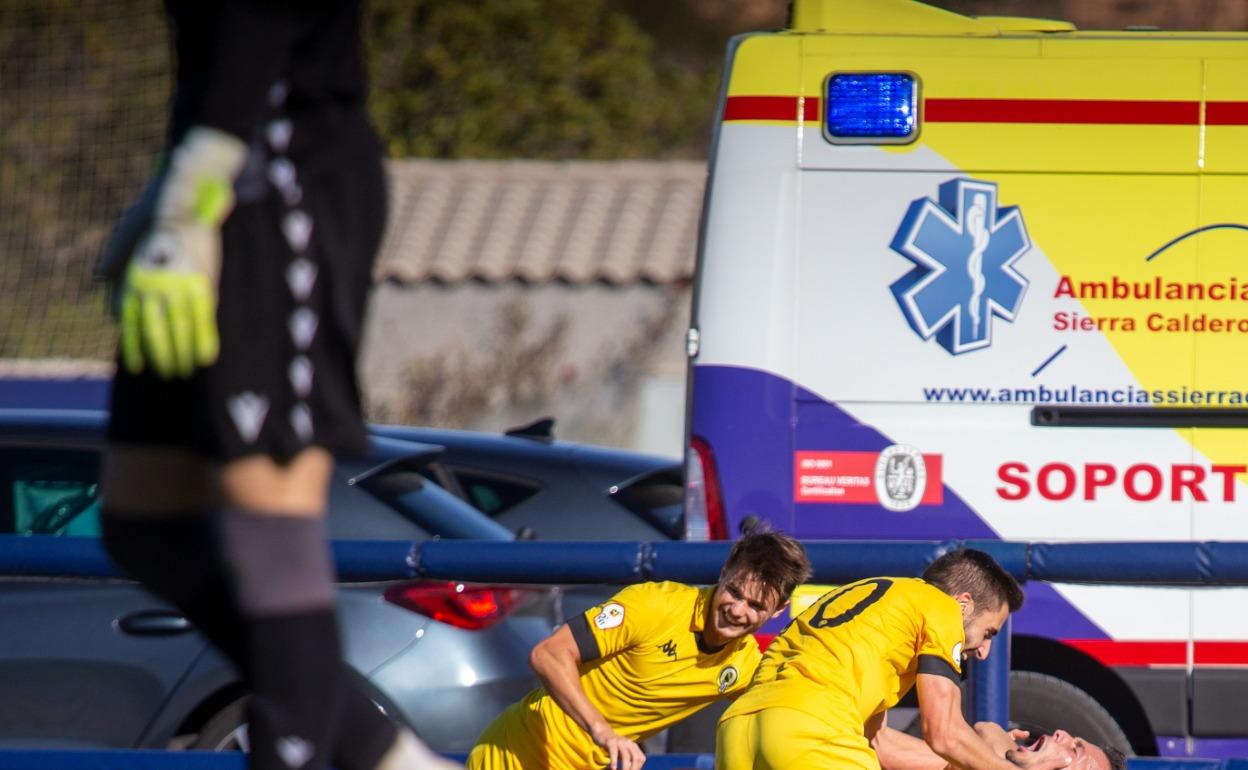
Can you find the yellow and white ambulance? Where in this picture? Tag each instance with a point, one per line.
(988, 278)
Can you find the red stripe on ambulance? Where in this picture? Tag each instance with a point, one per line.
(1114, 652)
(1141, 482)
(1226, 113)
(1142, 112)
(771, 108)
(1091, 111)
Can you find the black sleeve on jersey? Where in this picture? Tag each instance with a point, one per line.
(934, 664)
(586, 644)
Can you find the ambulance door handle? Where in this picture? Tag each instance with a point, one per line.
(1137, 417)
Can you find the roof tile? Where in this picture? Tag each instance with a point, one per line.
(538, 222)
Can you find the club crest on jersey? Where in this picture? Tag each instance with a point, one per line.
(957, 652)
(964, 248)
(727, 677)
(610, 616)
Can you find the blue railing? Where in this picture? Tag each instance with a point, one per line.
(1177, 564)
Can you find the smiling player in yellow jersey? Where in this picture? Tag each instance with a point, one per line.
(820, 695)
(651, 656)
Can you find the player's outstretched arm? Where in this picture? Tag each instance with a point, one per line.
(555, 661)
(949, 735)
(900, 751)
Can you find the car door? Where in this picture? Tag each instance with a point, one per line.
(82, 661)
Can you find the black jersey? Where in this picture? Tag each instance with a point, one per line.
(233, 54)
(297, 249)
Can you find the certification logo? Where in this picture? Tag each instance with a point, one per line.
(900, 478)
(964, 249)
(727, 678)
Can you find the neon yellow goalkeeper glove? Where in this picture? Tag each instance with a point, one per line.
(169, 294)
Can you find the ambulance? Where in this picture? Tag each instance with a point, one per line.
(987, 277)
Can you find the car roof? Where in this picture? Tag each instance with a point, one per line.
(425, 504)
(91, 423)
(636, 462)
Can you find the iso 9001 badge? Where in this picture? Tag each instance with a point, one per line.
(900, 478)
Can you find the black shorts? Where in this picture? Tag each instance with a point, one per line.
(296, 271)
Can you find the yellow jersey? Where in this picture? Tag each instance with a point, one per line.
(644, 666)
(856, 651)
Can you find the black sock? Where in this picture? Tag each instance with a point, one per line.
(296, 689)
(177, 557)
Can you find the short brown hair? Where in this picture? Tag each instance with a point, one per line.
(1117, 760)
(777, 560)
(967, 570)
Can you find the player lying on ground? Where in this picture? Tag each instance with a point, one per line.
(900, 751)
(651, 656)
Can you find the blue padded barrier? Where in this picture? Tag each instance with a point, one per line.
(46, 556)
(531, 561)
(1173, 564)
(1014, 557)
(204, 760)
(686, 562)
(374, 560)
(1179, 564)
(82, 759)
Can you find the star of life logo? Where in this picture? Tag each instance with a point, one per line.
(964, 248)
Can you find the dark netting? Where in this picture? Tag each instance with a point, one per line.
(84, 86)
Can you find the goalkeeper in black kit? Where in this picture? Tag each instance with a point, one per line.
(240, 281)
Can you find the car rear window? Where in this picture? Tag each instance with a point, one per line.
(658, 498)
(492, 493)
(402, 488)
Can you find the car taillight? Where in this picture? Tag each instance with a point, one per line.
(704, 507)
(463, 606)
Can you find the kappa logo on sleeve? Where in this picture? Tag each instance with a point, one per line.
(610, 616)
(964, 248)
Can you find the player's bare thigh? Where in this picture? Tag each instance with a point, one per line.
(153, 480)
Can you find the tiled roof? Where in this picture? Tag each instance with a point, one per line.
(578, 222)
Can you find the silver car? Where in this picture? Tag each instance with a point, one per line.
(100, 663)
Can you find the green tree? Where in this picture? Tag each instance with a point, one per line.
(548, 79)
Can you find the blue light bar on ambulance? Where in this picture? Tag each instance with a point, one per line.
(871, 108)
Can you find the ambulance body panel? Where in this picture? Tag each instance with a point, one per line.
(883, 329)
